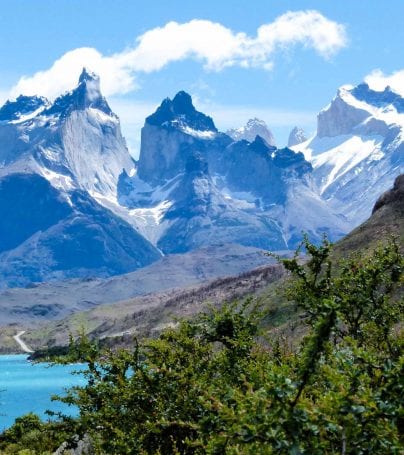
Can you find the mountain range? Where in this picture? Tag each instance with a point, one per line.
(73, 202)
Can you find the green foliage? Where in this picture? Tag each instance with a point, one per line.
(212, 386)
(29, 436)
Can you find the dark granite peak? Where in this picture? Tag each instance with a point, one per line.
(180, 113)
(87, 75)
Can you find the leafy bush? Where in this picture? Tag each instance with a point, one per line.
(30, 436)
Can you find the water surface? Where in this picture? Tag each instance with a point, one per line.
(27, 387)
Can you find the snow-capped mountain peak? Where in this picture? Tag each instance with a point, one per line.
(168, 136)
(254, 127)
(358, 149)
(74, 142)
(353, 107)
(378, 99)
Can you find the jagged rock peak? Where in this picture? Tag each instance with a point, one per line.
(22, 106)
(87, 75)
(296, 136)
(86, 95)
(180, 113)
(254, 127)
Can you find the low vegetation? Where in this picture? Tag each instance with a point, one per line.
(220, 384)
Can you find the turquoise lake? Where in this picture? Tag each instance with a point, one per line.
(27, 387)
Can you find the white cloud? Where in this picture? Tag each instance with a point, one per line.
(377, 80)
(65, 71)
(213, 44)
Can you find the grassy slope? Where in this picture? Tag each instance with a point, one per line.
(146, 316)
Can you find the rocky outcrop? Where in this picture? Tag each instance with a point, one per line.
(393, 196)
(83, 446)
(169, 137)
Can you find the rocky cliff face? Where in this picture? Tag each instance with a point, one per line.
(169, 136)
(393, 196)
(341, 116)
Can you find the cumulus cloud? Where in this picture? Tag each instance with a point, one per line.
(214, 45)
(377, 80)
(64, 73)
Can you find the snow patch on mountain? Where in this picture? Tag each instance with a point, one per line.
(333, 157)
(150, 221)
(199, 134)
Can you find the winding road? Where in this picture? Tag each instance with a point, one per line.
(23, 346)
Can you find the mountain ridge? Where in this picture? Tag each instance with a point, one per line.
(192, 187)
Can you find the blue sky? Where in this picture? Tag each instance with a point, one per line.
(288, 86)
